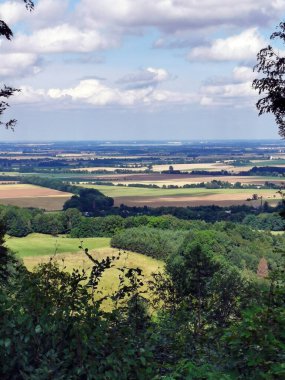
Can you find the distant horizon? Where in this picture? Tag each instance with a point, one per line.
(106, 70)
(139, 141)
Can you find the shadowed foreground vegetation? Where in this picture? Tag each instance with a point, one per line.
(203, 317)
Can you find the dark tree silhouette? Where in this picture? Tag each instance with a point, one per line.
(8, 91)
(271, 66)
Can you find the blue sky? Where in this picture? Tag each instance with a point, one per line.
(125, 69)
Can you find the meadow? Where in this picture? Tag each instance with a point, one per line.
(36, 245)
(35, 249)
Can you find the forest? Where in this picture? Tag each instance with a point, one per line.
(216, 311)
(213, 308)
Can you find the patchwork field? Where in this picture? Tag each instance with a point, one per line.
(24, 195)
(210, 166)
(110, 169)
(135, 196)
(182, 179)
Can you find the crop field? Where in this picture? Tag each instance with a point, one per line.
(211, 166)
(111, 168)
(135, 196)
(182, 179)
(277, 162)
(24, 195)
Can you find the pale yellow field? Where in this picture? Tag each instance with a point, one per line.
(25, 195)
(109, 169)
(25, 190)
(110, 279)
(213, 166)
(50, 203)
(199, 179)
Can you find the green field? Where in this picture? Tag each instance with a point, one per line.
(35, 249)
(122, 191)
(269, 163)
(40, 244)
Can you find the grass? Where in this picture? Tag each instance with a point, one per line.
(269, 163)
(79, 260)
(37, 248)
(38, 245)
(121, 191)
(110, 279)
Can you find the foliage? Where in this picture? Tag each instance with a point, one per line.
(265, 221)
(209, 319)
(89, 201)
(272, 67)
(152, 242)
(256, 343)
(6, 92)
(51, 183)
(239, 245)
(57, 330)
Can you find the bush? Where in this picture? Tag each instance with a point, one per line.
(156, 243)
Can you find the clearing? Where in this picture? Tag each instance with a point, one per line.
(41, 244)
(37, 248)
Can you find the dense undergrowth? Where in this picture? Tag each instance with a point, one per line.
(208, 317)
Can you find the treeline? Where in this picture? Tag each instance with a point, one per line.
(239, 245)
(263, 221)
(51, 183)
(22, 221)
(274, 171)
(214, 184)
(212, 213)
(109, 225)
(153, 242)
(90, 201)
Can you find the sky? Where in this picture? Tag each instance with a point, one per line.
(136, 69)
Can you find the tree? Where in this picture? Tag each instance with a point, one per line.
(89, 200)
(8, 91)
(271, 65)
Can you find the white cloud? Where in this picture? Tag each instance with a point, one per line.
(12, 12)
(94, 93)
(148, 77)
(46, 12)
(60, 39)
(18, 64)
(174, 15)
(237, 92)
(243, 46)
(244, 74)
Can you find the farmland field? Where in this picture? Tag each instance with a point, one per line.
(24, 195)
(110, 168)
(135, 196)
(277, 163)
(181, 179)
